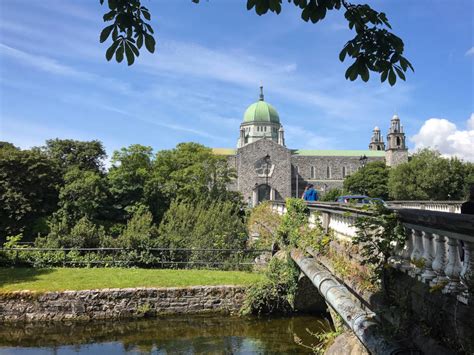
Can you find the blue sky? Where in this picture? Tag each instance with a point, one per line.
(210, 60)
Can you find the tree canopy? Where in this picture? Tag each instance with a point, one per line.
(373, 49)
(63, 192)
(370, 180)
(428, 176)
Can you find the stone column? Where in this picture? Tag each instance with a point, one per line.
(439, 262)
(467, 273)
(407, 250)
(453, 268)
(428, 256)
(416, 254)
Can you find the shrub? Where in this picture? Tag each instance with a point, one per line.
(276, 293)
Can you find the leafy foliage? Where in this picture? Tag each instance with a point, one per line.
(379, 235)
(293, 221)
(428, 176)
(374, 48)
(275, 294)
(371, 180)
(69, 153)
(127, 178)
(264, 222)
(28, 191)
(129, 30)
(202, 224)
(331, 195)
(84, 194)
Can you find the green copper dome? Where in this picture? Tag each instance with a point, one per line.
(261, 111)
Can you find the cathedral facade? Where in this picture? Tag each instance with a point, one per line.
(267, 169)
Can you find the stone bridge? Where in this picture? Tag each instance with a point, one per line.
(433, 280)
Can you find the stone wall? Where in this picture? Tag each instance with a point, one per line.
(118, 303)
(320, 180)
(250, 176)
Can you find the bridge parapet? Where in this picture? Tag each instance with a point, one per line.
(439, 246)
(440, 206)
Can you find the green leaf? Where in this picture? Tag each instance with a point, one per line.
(392, 78)
(146, 15)
(149, 43)
(109, 15)
(342, 55)
(129, 54)
(111, 50)
(106, 33)
(140, 40)
(119, 53)
(364, 72)
(400, 73)
(383, 76)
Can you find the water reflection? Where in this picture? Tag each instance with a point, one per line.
(198, 334)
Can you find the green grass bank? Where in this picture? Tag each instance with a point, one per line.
(60, 279)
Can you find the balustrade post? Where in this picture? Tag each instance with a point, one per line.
(416, 255)
(407, 250)
(453, 267)
(439, 262)
(467, 274)
(428, 257)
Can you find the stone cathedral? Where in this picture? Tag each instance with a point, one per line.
(267, 169)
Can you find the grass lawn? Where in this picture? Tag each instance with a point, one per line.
(58, 279)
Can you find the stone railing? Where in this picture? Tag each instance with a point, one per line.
(440, 206)
(439, 249)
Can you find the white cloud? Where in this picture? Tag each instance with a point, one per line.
(296, 136)
(52, 66)
(470, 51)
(444, 136)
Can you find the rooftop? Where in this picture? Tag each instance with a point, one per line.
(339, 153)
(310, 152)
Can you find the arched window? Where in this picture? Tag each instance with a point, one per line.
(313, 173)
(343, 171)
(398, 141)
(328, 172)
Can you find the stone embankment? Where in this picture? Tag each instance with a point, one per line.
(118, 303)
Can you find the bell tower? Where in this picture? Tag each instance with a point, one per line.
(376, 142)
(397, 152)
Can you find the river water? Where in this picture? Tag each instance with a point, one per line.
(184, 334)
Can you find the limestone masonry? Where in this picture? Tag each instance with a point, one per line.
(118, 303)
(267, 169)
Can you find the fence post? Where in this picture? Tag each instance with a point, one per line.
(64, 258)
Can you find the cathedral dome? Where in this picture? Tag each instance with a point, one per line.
(261, 111)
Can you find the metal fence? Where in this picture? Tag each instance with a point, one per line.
(116, 257)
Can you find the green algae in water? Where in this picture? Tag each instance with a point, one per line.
(183, 334)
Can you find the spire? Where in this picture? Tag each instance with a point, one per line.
(261, 92)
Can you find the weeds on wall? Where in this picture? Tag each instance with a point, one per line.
(277, 292)
(379, 235)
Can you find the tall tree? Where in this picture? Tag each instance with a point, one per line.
(373, 49)
(130, 171)
(428, 176)
(29, 184)
(371, 180)
(69, 153)
(84, 194)
(189, 172)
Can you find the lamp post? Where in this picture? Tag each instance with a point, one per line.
(363, 160)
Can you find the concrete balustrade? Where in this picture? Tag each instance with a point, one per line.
(438, 249)
(440, 206)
